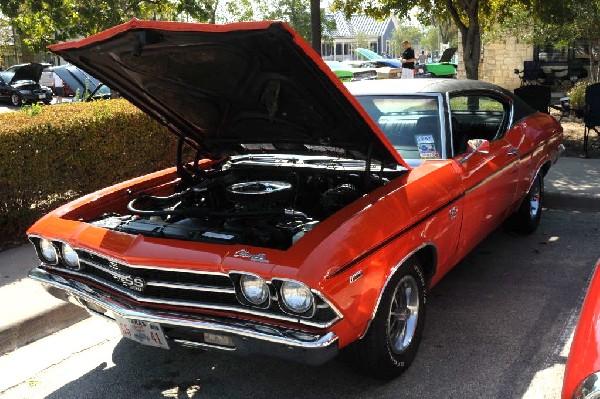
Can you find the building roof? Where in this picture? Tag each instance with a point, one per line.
(356, 24)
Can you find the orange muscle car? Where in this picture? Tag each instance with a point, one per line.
(303, 216)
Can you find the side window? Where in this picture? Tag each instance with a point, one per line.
(475, 117)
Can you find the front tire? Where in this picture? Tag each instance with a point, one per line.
(527, 218)
(15, 99)
(393, 338)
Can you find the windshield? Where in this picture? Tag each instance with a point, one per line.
(411, 123)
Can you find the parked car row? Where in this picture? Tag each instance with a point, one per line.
(444, 68)
(22, 85)
(40, 82)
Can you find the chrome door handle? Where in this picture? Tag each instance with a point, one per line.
(512, 152)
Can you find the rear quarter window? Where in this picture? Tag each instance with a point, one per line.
(476, 117)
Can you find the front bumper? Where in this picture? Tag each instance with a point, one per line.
(188, 329)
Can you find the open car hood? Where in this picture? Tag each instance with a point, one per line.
(447, 54)
(80, 81)
(31, 71)
(379, 59)
(369, 54)
(232, 89)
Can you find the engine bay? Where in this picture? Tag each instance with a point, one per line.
(270, 202)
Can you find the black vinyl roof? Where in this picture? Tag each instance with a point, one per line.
(444, 86)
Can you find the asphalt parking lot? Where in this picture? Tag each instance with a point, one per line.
(498, 326)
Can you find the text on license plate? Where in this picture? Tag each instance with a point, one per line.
(144, 332)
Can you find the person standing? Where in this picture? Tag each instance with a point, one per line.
(422, 58)
(59, 89)
(408, 61)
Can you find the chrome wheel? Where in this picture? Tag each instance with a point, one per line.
(15, 100)
(392, 340)
(535, 199)
(404, 314)
(527, 218)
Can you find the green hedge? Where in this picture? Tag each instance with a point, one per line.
(52, 154)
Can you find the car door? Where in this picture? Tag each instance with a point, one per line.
(489, 179)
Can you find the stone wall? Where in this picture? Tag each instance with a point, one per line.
(498, 62)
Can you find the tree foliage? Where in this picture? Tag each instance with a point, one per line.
(470, 17)
(44, 22)
(407, 32)
(555, 22)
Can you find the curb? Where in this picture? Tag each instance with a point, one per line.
(33, 314)
(571, 202)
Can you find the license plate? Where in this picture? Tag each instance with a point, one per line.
(42, 96)
(218, 339)
(144, 332)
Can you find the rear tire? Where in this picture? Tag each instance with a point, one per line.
(527, 218)
(393, 338)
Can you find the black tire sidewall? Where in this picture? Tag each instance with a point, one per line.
(383, 362)
(523, 222)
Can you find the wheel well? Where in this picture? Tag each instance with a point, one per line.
(428, 257)
(546, 167)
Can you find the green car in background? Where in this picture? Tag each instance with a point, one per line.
(347, 73)
(444, 68)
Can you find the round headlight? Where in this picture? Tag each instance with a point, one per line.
(48, 251)
(296, 296)
(254, 288)
(70, 257)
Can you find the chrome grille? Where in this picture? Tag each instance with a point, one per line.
(180, 288)
(160, 284)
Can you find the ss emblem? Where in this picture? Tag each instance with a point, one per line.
(134, 283)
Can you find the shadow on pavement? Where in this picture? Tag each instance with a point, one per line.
(495, 324)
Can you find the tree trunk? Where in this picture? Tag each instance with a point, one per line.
(470, 35)
(471, 46)
(315, 25)
(15, 40)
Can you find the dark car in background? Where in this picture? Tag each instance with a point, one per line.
(22, 85)
(47, 77)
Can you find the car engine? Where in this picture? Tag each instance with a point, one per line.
(249, 203)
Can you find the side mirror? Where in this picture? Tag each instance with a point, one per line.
(480, 146)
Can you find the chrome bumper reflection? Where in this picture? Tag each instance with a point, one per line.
(248, 337)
